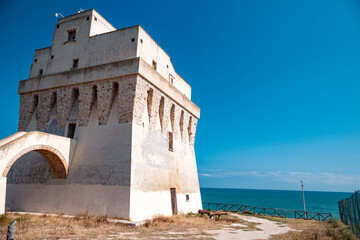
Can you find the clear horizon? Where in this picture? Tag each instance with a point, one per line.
(293, 190)
(277, 82)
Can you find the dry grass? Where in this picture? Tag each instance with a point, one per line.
(190, 226)
(191, 220)
(86, 226)
(50, 227)
(313, 230)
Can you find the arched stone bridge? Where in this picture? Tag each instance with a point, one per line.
(55, 149)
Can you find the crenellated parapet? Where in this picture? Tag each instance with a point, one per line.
(133, 96)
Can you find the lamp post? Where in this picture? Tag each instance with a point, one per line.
(302, 187)
(59, 14)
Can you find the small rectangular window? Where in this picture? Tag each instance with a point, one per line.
(171, 79)
(71, 34)
(187, 197)
(40, 72)
(171, 142)
(154, 64)
(71, 130)
(133, 40)
(75, 63)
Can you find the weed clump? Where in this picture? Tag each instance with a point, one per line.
(338, 230)
(102, 219)
(190, 214)
(90, 221)
(161, 218)
(156, 220)
(4, 219)
(247, 212)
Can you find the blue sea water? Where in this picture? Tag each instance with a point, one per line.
(325, 202)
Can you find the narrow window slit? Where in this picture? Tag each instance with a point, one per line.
(75, 63)
(71, 130)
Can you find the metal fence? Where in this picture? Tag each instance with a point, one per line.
(273, 212)
(350, 212)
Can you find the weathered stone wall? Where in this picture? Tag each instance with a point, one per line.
(132, 98)
(152, 103)
(28, 105)
(161, 162)
(125, 99)
(110, 116)
(165, 117)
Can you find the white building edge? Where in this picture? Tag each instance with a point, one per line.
(133, 125)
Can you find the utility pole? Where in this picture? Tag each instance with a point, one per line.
(302, 187)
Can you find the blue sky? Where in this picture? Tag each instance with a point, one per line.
(277, 81)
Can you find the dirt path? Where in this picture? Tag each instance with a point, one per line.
(262, 230)
(249, 228)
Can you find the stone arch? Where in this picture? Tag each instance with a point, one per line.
(57, 162)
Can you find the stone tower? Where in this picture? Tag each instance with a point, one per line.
(116, 93)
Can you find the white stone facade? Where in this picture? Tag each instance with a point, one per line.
(117, 94)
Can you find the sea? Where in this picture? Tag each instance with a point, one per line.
(324, 202)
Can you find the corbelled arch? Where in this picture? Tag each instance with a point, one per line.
(57, 162)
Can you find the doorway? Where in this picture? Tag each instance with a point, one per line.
(173, 201)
